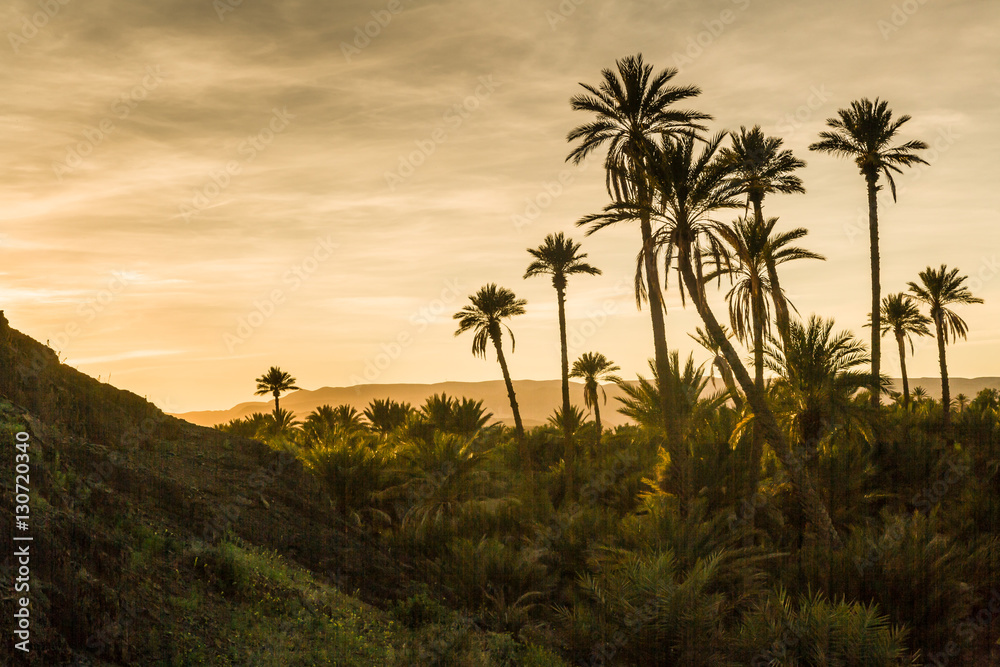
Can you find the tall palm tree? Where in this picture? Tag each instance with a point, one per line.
(594, 368)
(758, 253)
(560, 257)
(865, 132)
(490, 306)
(691, 187)
(940, 288)
(275, 381)
(903, 318)
(762, 167)
(633, 108)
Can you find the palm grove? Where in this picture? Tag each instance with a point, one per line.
(804, 500)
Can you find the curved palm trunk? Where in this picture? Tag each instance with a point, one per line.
(902, 369)
(945, 389)
(876, 310)
(809, 500)
(568, 451)
(727, 376)
(518, 427)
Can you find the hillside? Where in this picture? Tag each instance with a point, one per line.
(536, 399)
(159, 542)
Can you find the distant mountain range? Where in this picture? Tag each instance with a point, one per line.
(537, 399)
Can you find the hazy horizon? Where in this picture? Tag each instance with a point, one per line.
(171, 170)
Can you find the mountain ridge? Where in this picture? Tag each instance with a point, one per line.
(537, 399)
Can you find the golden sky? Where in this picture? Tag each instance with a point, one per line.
(194, 191)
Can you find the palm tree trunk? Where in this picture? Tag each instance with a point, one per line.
(780, 304)
(809, 500)
(876, 310)
(661, 356)
(945, 389)
(597, 415)
(568, 452)
(902, 369)
(518, 427)
(275, 404)
(561, 294)
(727, 377)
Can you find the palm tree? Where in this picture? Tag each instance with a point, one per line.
(865, 132)
(633, 108)
(490, 306)
(691, 187)
(762, 167)
(692, 409)
(940, 288)
(962, 400)
(818, 374)
(385, 415)
(560, 257)
(280, 423)
(901, 316)
(758, 253)
(274, 382)
(594, 368)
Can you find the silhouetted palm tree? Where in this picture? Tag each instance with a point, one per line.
(490, 306)
(762, 167)
(758, 253)
(560, 257)
(275, 381)
(903, 318)
(633, 108)
(385, 415)
(594, 368)
(865, 132)
(691, 187)
(961, 400)
(940, 288)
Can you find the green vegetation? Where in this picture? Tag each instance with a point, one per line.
(789, 519)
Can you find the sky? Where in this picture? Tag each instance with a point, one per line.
(191, 192)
